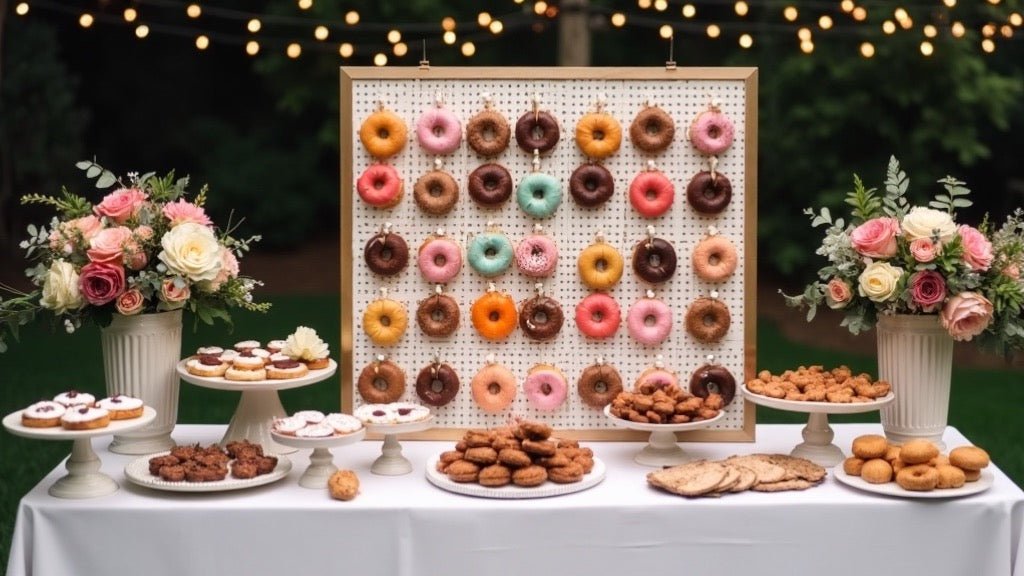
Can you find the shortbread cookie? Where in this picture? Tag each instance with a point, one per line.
(783, 486)
(765, 470)
(690, 479)
(747, 478)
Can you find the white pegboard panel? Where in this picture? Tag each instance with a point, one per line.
(572, 227)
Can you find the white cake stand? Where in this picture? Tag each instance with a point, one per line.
(259, 405)
(84, 479)
(818, 435)
(662, 447)
(321, 461)
(391, 462)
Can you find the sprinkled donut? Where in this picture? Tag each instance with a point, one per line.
(386, 253)
(707, 320)
(540, 317)
(598, 316)
(536, 256)
(384, 321)
(714, 259)
(655, 378)
(436, 192)
(494, 388)
(380, 186)
(490, 185)
(488, 133)
(545, 387)
(439, 131)
(654, 260)
(591, 185)
(600, 266)
(709, 192)
(538, 131)
(539, 194)
(490, 254)
(598, 135)
(383, 134)
(712, 378)
(649, 321)
(494, 315)
(711, 132)
(599, 384)
(439, 260)
(437, 384)
(381, 382)
(652, 130)
(438, 315)
(651, 193)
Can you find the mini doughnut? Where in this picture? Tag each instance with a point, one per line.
(490, 185)
(709, 193)
(950, 476)
(651, 193)
(381, 382)
(870, 446)
(436, 192)
(488, 133)
(918, 478)
(438, 316)
(653, 379)
(439, 131)
(969, 458)
(494, 315)
(380, 186)
(652, 130)
(591, 185)
(384, 321)
(649, 321)
(598, 385)
(853, 465)
(383, 134)
(545, 387)
(539, 194)
(437, 384)
(494, 388)
(919, 452)
(972, 475)
(710, 379)
(386, 254)
(876, 471)
(654, 260)
(714, 259)
(439, 260)
(598, 316)
(707, 320)
(600, 266)
(537, 131)
(490, 254)
(893, 453)
(711, 132)
(598, 135)
(536, 256)
(540, 317)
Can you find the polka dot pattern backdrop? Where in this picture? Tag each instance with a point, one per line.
(572, 228)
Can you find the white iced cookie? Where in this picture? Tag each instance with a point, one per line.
(409, 412)
(343, 423)
(376, 414)
(289, 426)
(316, 431)
(310, 416)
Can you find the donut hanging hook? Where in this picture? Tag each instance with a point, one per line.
(710, 358)
(491, 359)
(539, 288)
(424, 63)
(649, 293)
(438, 289)
(714, 294)
(536, 160)
(438, 163)
(488, 101)
(536, 107)
(659, 362)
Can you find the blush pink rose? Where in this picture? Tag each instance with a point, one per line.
(174, 292)
(135, 258)
(876, 238)
(977, 248)
(924, 250)
(130, 302)
(121, 204)
(838, 294)
(108, 245)
(228, 270)
(181, 211)
(69, 235)
(1012, 271)
(144, 233)
(101, 283)
(927, 290)
(966, 315)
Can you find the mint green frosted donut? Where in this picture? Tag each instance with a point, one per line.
(539, 195)
(490, 254)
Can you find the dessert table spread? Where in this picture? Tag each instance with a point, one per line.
(403, 525)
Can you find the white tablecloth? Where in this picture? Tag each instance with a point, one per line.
(405, 526)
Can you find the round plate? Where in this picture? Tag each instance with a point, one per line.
(623, 423)
(511, 491)
(326, 442)
(221, 383)
(893, 489)
(12, 422)
(403, 428)
(817, 407)
(137, 472)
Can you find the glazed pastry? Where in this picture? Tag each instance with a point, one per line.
(383, 134)
(490, 254)
(385, 321)
(439, 259)
(652, 130)
(649, 320)
(488, 132)
(43, 414)
(545, 387)
(439, 131)
(380, 186)
(536, 255)
(494, 315)
(600, 265)
(711, 132)
(121, 407)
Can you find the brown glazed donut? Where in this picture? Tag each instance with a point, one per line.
(707, 320)
(437, 384)
(386, 254)
(598, 385)
(438, 315)
(487, 133)
(490, 185)
(537, 131)
(591, 185)
(436, 192)
(654, 260)
(541, 317)
(652, 130)
(709, 194)
(381, 382)
(713, 378)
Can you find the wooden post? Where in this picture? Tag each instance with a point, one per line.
(574, 33)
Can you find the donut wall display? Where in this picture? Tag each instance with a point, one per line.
(505, 230)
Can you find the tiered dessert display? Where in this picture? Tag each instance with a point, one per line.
(391, 420)
(312, 429)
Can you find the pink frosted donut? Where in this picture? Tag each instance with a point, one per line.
(439, 260)
(649, 321)
(439, 131)
(711, 132)
(536, 256)
(598, 316)
(656, 379)
(380, 186)
(651, 193)
(545, 387)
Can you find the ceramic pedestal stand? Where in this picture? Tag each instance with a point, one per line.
(321, 461)
(391, 462)
(84, 479)
(662, 447)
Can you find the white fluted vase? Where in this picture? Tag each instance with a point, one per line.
(915, 355)
(139, 357)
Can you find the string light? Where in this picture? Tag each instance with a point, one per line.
(85, 20)
(949, 3)
(468, 49)
(993, 2)
(400, 49)
(930, 31)
(252, 47)
(21, 9)
(540, 8)
(380, 59)
(643, 4)
(305, 4)
(618, 19)
(449, 38)
(958, 30)
(351, 17)
(130, 14)
(483, 19)
(825, 22)
(665, 31)
(746, 41)
(888, 27)
(1006, 31)
(988, 45)
(142, 31)
(900, 14)
(346, 50)
(907, 23)
(448, 24)
(846, 6)
(321, 33)
(714, 31)
(254, 25)
(807, 46)
(689, 11)
(988, 30)
(202, 42)
(194, 11)
(860, 14)
(496, 27)
(791, 13)
(867, 49)
(926, 48)
(661, 5)
(1016, 19)
(294, 50)
(394, 36)
(804, 34)
(741, 8)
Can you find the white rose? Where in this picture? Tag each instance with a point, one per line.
(878, 281)
(191, 250)
(60, 289)
(304, 344)
(926, 222)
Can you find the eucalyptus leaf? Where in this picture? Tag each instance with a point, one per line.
(83, 164)
(93, 171)
(106, 180)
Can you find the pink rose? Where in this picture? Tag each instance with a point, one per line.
(1012, 271)
(228, 270)
(101, 283)
(927, 290)
(69, 235)
(121, 204)
(181, 211)
(144, 233)
(130, 302)
(838, 294)
(108, 244)
(135, 257)
(977, 248)
(174, 292)
(876, 238)
(966, 315)
(924, 250)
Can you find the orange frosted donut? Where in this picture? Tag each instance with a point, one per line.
(598, 135)
(494, 315)
(714, 259)
(600, 266)
(383, 134)
(384, 321)
(494, 388)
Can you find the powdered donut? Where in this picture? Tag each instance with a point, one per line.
(380, 186)
(714, 259)
(494, 388)
(651, 193)
(437, 384)
(490, 185)
(386, 254)
(591, 185)
(707, 320)
(545, 387)
(439, 260)
(381, 382)
(488, 133)
(598, 135)
(598, 385)
(439, 131)
(537, 131)
(598, 316)
(652, 130)
(707, 193)
(383, 134)
(540, 318)
(654, 260)
(438, 315)
(436, 192)
(536, 256)
(711, 132)
(600, 266)
(649, 321)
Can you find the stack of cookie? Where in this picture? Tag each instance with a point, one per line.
(758, 472)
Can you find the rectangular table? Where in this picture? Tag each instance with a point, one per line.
(405, 526)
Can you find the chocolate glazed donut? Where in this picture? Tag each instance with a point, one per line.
(490, 185)
(438, 315)
(541, 318)
(381, 382)
(654, 260)
(386, 254)
(711, 378)
(537, 131)
(437, 384)
(591, 185)
(487, 133)
(709, 194)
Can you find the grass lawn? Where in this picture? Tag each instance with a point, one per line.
(983, 407)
